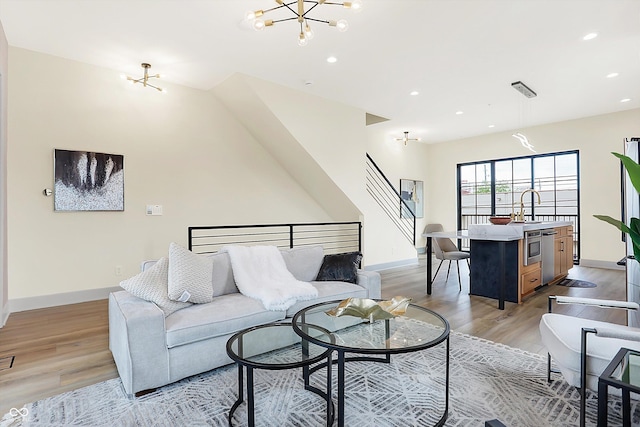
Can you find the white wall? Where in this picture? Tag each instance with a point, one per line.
(595, 137)
(397, 162)
(182, 150)
(273, 128)
(4, 283)
(332, 133)
(335, 135)
(294, 124)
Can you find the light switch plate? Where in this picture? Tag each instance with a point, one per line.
(154, 209)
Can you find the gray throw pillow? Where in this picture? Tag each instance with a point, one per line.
(340, 267)
(303, 261)
(152, 285)
(190, 276)
(223, 281)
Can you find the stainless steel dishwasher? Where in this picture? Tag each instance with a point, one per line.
(547, 249)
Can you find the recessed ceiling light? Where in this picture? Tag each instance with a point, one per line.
(611, 75)
(414, 93)
(332, 59)
(590, 36)
(625, 100)
(492, 126)
(459, 112)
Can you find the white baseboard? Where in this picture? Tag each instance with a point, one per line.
(610, 265)
(393, 264)
(5, 315)
(44, 301)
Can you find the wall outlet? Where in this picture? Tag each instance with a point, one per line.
(118, 270)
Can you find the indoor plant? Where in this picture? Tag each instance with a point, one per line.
(633, 230)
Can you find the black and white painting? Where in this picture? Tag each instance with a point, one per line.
(411, 192)
(86, 181)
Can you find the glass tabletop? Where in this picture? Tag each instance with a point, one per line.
(629, 369)
(277, 346)
(416, 329)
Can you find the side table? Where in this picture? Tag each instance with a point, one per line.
(624, 373)
(418, 329)
(261, 347)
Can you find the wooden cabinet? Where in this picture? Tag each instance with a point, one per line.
(529, 276)
(530, 281)
(489, 266)
(563, 253)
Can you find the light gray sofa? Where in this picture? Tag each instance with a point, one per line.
(151, 350)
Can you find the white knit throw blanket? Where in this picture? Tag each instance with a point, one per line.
(260, 273)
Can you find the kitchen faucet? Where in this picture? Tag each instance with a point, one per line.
(520, 216)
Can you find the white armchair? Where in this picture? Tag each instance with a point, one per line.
(574, 353)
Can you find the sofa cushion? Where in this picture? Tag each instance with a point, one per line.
(190, 276)
(223, 281)
(152, 285)
(329, 291)
(303, 261)
(340, 267)
(225, 315)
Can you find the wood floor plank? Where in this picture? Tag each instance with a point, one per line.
(517, 325)
(63, 348)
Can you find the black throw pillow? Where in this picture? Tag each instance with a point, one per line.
(340, 267)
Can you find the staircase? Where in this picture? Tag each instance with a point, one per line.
(389, 199)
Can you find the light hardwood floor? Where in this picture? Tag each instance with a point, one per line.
(64, 348)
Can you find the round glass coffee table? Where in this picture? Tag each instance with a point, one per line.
(417, 329)
(276, 346)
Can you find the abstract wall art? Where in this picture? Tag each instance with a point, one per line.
(411, 192)
(88, 181)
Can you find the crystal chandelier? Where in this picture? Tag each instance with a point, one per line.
(300, 10)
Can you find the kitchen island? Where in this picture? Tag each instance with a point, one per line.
(498, 270)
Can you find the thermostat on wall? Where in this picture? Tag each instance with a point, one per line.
(154, 209)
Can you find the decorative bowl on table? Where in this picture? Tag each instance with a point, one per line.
(500, 220)
(369, 309)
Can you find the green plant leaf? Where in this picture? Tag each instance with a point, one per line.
(633, 169)
(619, 225)
(633, 231)
(635, 227)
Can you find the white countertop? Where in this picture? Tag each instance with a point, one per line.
(511, 231)
(501, 233)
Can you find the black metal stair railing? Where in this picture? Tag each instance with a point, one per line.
(389, 199)
(334, 237)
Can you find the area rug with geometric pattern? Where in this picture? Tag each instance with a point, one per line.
(487, 381)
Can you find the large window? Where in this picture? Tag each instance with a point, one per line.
(496, 187)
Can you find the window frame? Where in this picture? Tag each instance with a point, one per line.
(531, 158)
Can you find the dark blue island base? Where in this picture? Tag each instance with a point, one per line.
(489, 262)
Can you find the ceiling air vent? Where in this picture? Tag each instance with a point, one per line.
(524, 89)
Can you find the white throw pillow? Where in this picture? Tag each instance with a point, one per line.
(190, 276)
(151, 285)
